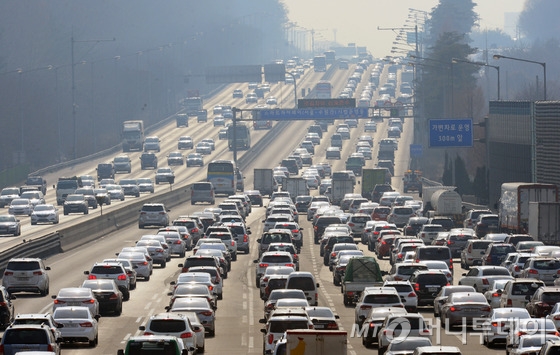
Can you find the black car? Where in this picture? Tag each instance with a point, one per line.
(414, 225)
(107, 293)
(378, 191)
(427, 285)
(148, 160)
(322, 223)
(6, 308)
(303, 202)
(255, 197)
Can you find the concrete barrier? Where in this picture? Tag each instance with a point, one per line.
(32, 248)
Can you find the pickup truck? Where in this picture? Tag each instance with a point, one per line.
(361, 272)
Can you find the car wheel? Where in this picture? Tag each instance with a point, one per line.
(118, 310)
(258, 282)
(182, 255)
(163, 264)
(93, 343)
(133, 286)
(147, 278)
(44, 292)
(234, 257)
(126, 295)
(141, 226)
(86, 212)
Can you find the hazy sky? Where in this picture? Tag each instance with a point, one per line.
(357, 20)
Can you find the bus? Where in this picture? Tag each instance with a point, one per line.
(320, 63)
(222, 174)
(323, 89)
(242, 137)
(330, 56)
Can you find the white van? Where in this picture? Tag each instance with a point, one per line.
(303, 280)
(517, 292)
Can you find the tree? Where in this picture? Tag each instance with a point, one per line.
(451, 16)
(539, 19)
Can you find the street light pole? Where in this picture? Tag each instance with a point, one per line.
(456, 60)
(73, 78)
(543, 64)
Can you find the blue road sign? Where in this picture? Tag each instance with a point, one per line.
(312, 114)
(416, 150)
(451, 132)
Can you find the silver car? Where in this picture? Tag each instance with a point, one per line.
(44, 214)
(463, 308)
(140, 263)
(202, 308)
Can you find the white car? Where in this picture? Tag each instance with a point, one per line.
(405, 290)
(498, 323)
(20, 206)
(480, 276)
(76, 296)
(532, 344)
(78, 324)
(44, 214)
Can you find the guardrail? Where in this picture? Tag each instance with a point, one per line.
(41, 247)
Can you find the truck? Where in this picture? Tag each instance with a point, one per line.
(412, 181)
(312, 342)
(182, 119)
(339, 188)
(133, 135)
(66, 186)
(355, 164)
(544, 222)
(193, 103)
(513, 210)
(319, 63)
(361, 272)
(105, 171)
(386, 155)
(445, 203)
(264, 181)
(202, 115)
(296, 186)
(36, 182)
(372, 177)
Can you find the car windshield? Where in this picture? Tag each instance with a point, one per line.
(75, 198)
(492, 272)
(44, 208)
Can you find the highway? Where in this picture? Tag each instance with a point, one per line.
(237, 326)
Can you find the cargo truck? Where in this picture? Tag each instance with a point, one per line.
(372, 177)
(513, 208)
(133, 135)
(312, 342)
(412, 181)
(264, 181)
(544, 221)
(339, 188)
(296, 186)
(447, 203)
(66, 186)
(361, 272)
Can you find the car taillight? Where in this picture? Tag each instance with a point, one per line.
(207, 313)
(557, 317)
(194, 230)
(450, 264)
(351, 224)
(509, 303)
(210, 287)
(49, 348)
(263, 265)
(59, 302)
(290, 265)
(454, 308)
(86, 324)
(121, 277)
(423, 235)
(449, 242)
(177, 242)
(416, 287)
(332, 326)
(399, 255)
(38, 273)
(412, 294)
(148, 333)
(92, 277)
(488, 259)
(144, 263)
(90, 301)
(186, 335)
(533, 271)
(295, 231)
(245, 238)
(8, 273)
(333, 254)
(516, 268)
(496, 294)
(398, 278)
(270, 338)
(485, 281)
(486, 309)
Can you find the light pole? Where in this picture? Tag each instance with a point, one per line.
(456, 60)
(543, 64)
(73, 64)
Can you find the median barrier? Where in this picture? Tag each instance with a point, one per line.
(32, 248)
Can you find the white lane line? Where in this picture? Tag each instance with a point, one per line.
(126, 337)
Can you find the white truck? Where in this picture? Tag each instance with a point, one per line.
(513, 209)
(544, 221)
(312, 342)
(133, 135)
(296, 186)
(264, 181)
(339, 188)
(446, 202)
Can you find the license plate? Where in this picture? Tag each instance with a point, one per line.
(432, 289)
(71, 325)
(22, 278)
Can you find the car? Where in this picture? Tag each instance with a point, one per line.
(176, 242)
(202, 308)
(273, 258)
(486, 223)
(496, 253)
(152, 143)
(76, 296)
(406, 292)
(370, 126)
(139, 262)
(427, 284)
(222, 134)
(237, 93)
(194, 159)
(108, 295)
(130, 187)
(497, 324)
(185, 142)
(114, 271)
(471, 254)
(9, 224)
(17, 338)
(532, 343)
(20, 206)
(464, 308)
(115, 192)
(203, 148)
(35, 197)
(541, 326)
(172, 324)
(157, 252)
(271, 100)
(193, 289)
(472, 217)
(148, 160)
(207, 275)
(7, 195)
(541, 268)
(373, 297)
(397, 326)
(7, 309)
(153, 214)
(275, 327)
(122, 163)
(38, 319)
(26, 275)
(129, 268)
(543, 300)
(479, 277)
(374, 319)
(333, 153)
(165, 175)
(175, 158)
(145, 185)
(251, 98)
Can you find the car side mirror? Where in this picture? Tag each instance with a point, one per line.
(169, 294)
(47, 268)
(263, 331)
(167, 308)
(255, 261)
(97, 316)
(318, 285)
(262, 321)
(362, 317)
(464, 274)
